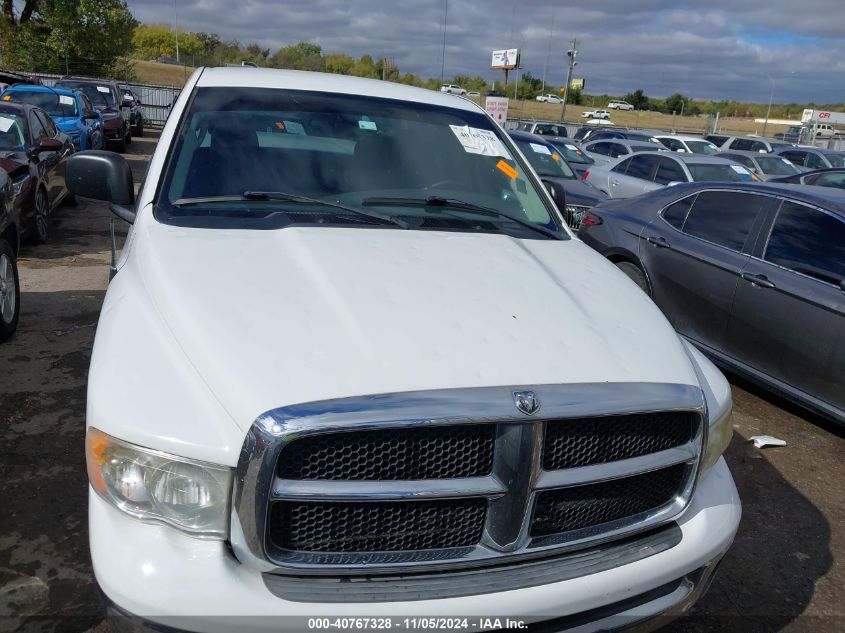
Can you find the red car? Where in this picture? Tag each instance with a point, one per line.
(33, 153)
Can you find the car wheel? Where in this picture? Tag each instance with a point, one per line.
(10, 291)
(41, 218)
(121, 145)
(70, 200)
(635, 274)
(128, 136)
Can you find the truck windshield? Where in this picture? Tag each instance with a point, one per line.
(100, 96)
(269, 158)
(54, 104)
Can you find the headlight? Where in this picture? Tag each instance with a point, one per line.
(150, 485)
(718, 438)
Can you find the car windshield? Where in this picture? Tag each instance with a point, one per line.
(776, 166)
(702, 147)
(837, 160)
(573, 154)
(101, 96)
(54, 104)
(545, 160)
(11, 132)
(268, 158)
(709, 172)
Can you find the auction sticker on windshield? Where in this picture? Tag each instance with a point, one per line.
(540, 149)
(66, 100)
(477, 141)
(6, 124)
(740, 170)
(102, 89)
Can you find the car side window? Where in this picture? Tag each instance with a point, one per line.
(724, 217)
(617, 150)
(808, 241)
(37, 127)
(669, 171)
(676, 213)
(835, 179)
(48, 124)
(815, 161)
(601, 148)
(86, 105)
(796, 158)
(642, 166)
(741, 144)
(758, 146)
(672, 143)
(743, 160)
(622, 167)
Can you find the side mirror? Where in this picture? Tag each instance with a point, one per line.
(681, 150)
(103, 176)
(50, 145)
(557, 193)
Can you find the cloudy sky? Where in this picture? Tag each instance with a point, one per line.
(731, 49)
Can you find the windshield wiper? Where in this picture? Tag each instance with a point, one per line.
(438, 201)
(288, 197)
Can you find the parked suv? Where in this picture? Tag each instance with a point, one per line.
(619, 105)
(452, 89)
(369, 370)
(106, 99)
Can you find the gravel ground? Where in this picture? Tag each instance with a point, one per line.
(784, 572)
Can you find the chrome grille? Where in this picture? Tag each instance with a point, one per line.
(392, 454)
(573, 443)
(373, 526)
(588, 506)
(430, 480)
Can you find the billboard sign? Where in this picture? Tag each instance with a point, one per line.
(497, 107)
(506, 59)
(577, 83)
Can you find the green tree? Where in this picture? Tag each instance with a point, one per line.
(674, 103)
(302, 56)
(637, 99)
(86, 36)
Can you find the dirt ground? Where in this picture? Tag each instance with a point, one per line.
(785, 571)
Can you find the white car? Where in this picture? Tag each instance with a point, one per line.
(619, 105)
(549, 98)
(688, 144)
(595, 114)
(599, 122)
(452, 89)
(329, 380)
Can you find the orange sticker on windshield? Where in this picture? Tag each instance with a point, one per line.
(7, 98)
(555, 157)
(509, 171)
(280, 125)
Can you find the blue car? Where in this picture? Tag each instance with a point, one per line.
(70, 110)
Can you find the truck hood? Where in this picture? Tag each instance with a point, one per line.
(278, 317)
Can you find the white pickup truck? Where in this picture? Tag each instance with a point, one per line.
(452, 89)
(331, 386)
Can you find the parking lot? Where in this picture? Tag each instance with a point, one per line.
(785, 571)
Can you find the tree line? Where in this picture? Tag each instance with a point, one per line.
(100, 37)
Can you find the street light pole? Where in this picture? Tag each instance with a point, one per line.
(572, 53)
(769, 109)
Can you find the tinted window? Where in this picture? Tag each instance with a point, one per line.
(675, 214)
(672, 143)
(759, 146)
(724, 217)
(796, 158)
(836, 179)
(702, 147)
(740, 159)
(545, 160)
(808, 241)
(836, 160)
(622, 166)
(740, 143)
(815, 162)
(715, 138)
(646, 148)
(48, 124)
(601, 148)
(642, 166)
(669, 171)
(776, 165)
(554, 130)
(38, 129)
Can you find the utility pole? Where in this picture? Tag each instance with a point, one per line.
(769, 109)
(572, 53)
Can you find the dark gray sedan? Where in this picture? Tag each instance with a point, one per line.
(753, 274)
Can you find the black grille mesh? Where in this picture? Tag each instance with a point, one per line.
(392, 454)
(579, 507)
(379, 526)
(580, 442)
